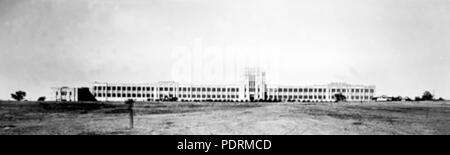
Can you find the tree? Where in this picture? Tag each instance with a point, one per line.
(19, 95)
(427, 96)
(42, 98)
(339, 97)
(408, 99)
(417, 98)
(398, 98)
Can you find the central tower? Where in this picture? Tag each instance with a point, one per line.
(254, 84)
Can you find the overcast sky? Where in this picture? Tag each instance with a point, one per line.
(401, 46)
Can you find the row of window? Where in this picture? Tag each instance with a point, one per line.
(352, 90)
(63, 93)
(319, 90)
(203, 89)
(285, 97)
(161, 95)
(199, 89)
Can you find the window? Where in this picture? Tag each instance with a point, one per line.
(134, 95)
(134, 88)
(109, 95)
(290, 89)
(343, 90)
(208, 89)
(310, 90)
(285, 90)
(170, 89)
(203, 89)
(371, 90)
(128, 95)
(300, 90)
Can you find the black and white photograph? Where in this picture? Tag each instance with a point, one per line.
(225, 67)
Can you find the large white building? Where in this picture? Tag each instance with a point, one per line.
(252, 88)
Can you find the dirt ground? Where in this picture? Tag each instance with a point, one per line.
(387, 118)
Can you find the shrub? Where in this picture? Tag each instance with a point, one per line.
(427, 96)
(19, 95)
(41, 99)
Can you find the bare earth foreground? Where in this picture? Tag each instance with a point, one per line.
(226, 118)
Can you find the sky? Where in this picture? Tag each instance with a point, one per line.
(400, 46)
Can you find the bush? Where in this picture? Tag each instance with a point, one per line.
(19, 95)
(339, 97)
(129, 101)
(41, 99)
(417, 98)
(427, 96)
(408, 99)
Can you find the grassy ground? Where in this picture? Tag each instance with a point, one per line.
(226, 118)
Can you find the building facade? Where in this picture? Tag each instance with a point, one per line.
(65, 93)
(252, 88)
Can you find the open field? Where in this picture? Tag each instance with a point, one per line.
(226, 118)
